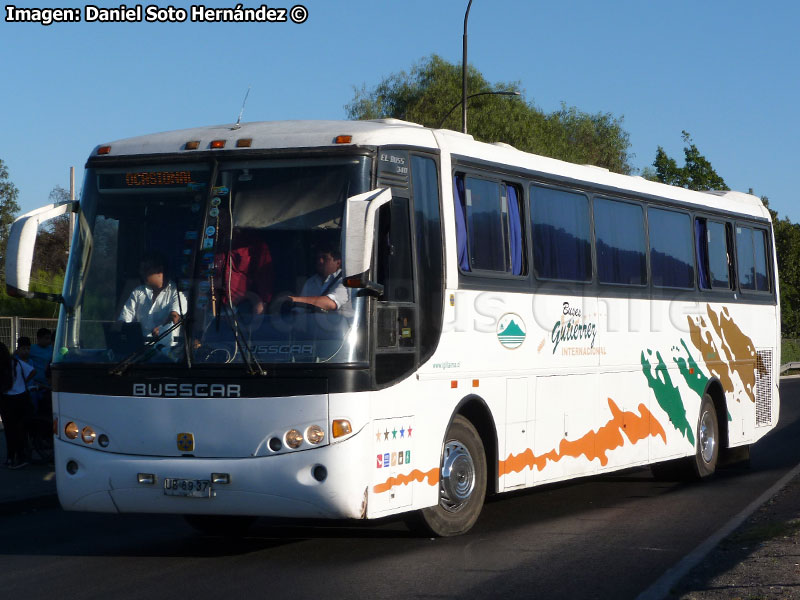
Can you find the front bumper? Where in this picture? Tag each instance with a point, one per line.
(279, 486)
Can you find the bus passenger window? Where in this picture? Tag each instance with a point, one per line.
(619, 231)
(751, 255)
(488, 226)
(719, 269)
(671, 260)
(561, 234)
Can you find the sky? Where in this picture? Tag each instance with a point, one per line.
(725, 71)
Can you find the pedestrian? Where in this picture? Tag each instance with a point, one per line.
(15, 405)
(40, 357)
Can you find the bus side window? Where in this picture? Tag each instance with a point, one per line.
(719, 255)
(488, 226)
(394, 252)
(562, 239)
(751, 256)
(619, 235)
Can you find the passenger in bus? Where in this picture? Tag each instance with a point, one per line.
(156, 304)
(246, 271)
(325, 289)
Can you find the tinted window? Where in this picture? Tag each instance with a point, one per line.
(719, 269)
(619, 231)
(561, 234)
(671, 248)
(429, 251)
(490, 233)
(751, 256)
(760, 249)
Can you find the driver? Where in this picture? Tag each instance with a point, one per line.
(325, 289)
(156, 304)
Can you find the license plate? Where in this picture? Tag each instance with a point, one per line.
(192, 488)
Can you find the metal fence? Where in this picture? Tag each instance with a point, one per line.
(13, 328)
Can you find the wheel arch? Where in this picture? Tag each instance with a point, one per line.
(717, 393)
(475, 409)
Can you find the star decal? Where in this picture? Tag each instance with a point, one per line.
(409, 431)
(378, 436)
(386, 434)
(402, 431)
(394, 433)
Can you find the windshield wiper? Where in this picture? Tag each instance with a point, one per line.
(253, 366)
(148, 348)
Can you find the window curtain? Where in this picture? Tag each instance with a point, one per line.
(515, 230)
(701, 239)
(461, 225)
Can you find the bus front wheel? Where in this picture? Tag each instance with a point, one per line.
(462, 484)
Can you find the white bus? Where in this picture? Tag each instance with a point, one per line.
(499, 320)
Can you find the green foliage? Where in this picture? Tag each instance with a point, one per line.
(790, 351)
(787, 249)
(432, 88)
(8, 211)
(696, 173)
(20, 307)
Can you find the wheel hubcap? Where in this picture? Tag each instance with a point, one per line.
(707, 439)
(458, 476)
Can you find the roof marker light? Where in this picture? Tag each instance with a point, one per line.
(244, 142)
(193, 145)
(343, 139)
(218, 144)
(103, 150)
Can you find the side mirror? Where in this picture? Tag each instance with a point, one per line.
(19, 251)
(359, 231)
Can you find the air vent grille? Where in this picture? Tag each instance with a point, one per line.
(763, 387)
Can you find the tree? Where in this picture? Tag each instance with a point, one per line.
(696, 173)
(52, 240)
(8, 212)
(433, 87)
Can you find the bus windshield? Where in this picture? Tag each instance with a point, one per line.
(214, 264)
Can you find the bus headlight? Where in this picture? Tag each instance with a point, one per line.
(71, 430)
(314, 434)
(88, 435)
(294, 438)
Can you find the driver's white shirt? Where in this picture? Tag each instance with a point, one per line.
(140, 307)
(315, 285)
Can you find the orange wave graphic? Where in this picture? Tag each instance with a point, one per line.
(595, 444)
(415, 475)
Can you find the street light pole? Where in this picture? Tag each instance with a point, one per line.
(463, 103)
(464, 74)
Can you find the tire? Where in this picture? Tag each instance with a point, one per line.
(707, 453)
(220, 525)
(704, 462)
(462, 484)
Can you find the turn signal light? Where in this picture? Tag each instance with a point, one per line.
(103, 150)
(218, 144)
(244, 142)
(341, 427)
(343, 139)
(193, 145)
(71, 430)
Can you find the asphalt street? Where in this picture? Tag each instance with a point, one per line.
(605, 537)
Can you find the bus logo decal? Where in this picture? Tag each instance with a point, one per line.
(511, 330)
(185, 442)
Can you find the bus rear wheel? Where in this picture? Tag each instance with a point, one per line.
(462, 484)
(707, 452)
